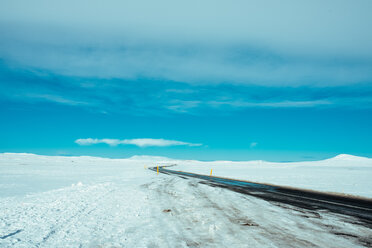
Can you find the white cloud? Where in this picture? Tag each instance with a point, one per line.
(281, 104)
(53, 98)
(136, 142)
(285, 25)
(238, 42)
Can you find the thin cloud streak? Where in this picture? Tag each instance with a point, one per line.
(281, 104)
(157, 97)
(137, 142)
(53, 98)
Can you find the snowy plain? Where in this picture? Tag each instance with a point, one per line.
(55, 201)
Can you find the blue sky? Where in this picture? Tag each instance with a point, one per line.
(233, 80)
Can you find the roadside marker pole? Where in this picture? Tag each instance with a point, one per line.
(211, 172)
(157, 169)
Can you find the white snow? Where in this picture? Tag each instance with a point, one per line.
(97, 202)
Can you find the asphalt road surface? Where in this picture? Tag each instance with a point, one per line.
(359, 208)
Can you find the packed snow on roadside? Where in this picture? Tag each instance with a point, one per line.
(96, 202)
(344, 174)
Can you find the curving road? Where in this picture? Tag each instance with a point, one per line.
(360, 208)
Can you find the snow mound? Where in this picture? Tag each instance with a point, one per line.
(349, 157)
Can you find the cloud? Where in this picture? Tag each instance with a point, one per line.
(53, 98)
(280, 104)
(240, 42)
(196, 65)
(253, 144)
(90, 141)
(123, 58)
(159, 97)
(136, 142)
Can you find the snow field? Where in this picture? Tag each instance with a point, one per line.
(97, 202)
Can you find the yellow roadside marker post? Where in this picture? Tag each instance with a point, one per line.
(157, 169)
(211, 172)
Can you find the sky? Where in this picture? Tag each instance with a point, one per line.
(207, 80)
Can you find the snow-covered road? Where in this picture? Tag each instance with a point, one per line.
(120, 204)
